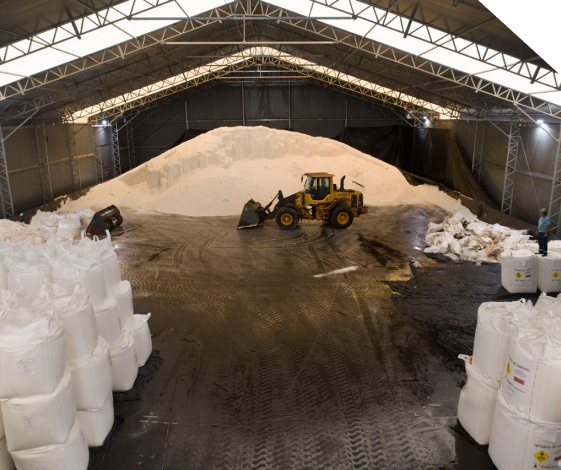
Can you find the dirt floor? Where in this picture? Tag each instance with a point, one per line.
(267, 365)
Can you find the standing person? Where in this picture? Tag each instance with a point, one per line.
(544, 224)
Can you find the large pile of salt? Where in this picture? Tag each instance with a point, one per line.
(216, 173)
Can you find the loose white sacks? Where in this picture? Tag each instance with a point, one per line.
(519, 271)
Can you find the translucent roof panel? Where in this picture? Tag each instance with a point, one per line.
(446, 52)
(237, 58)
(96, 39)
(536, 23)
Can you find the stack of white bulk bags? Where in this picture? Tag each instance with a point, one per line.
(142, 339)
(527, 417)
(549, 273)
(519, 271)
(69, 227)
(92, 376)
(36, 393)
(484, 371)
(125, 363)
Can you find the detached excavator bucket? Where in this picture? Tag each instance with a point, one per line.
(253, 214)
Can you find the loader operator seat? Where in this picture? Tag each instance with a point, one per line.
(318, 188)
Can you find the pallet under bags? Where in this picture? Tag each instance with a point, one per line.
(519, 271)
(72, 455)
(549, 273)
(97, 423)
(125, 364)
(92, 377)
(477, 403)
(32, 354)
(519, 443)
(40, 420)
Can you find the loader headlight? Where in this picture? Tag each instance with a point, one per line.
(361, 200)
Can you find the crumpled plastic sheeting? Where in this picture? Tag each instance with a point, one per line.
(469, 239)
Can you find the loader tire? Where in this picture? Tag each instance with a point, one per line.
(341, 217)
(287, 218)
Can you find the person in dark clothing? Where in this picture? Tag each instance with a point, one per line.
(544, 224)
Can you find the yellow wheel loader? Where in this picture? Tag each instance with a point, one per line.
(320, 200)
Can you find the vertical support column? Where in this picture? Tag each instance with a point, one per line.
(510, 168)
(289, 107)
(243, 105)
(130, 146)
(555, 199)
(96, 139)
(478, 144)
(5, 190)
(44, 166)
(186, 117)
(116, 150)
(73, 155)
(346, 113)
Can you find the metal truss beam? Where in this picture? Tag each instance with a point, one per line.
(475, 84)
(439, 38)
(116, 149)
(73, 155)
(76, 28)
(510, 167)
(5, 189)
(477, 87)
(302, 69)
(130, 145)
(555, 199)
(43, 163)
(97, 150)
(478, 146)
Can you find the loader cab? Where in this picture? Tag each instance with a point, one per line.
(317, 187)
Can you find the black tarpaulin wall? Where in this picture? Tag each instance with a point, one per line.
(429, 153)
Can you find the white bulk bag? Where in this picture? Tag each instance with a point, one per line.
(27, 277)
(123, 294)
(77, 315)
(554, 246)
(517, 443)
(3, 275)
(32, 356)
(492, 334)
(142, 339)
(108, 321)
(111, 270)
(92, 377)
(549, 273)
(6, 461)
(40, 420)
(519, 271)
(477, 403)
(85, 216)
(96, 424)
(95, 282)
(72, 455)
(532, 375)
(69, 227)
(125, 365)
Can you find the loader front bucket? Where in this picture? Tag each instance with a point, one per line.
(252, 215)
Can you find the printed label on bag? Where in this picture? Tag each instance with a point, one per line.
(541, 456)
(29, 423)
(524, 275)
(26, 367)
(555, 275)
